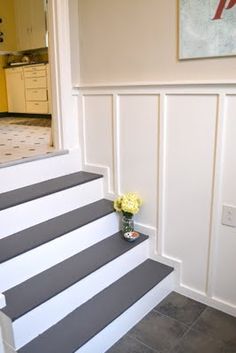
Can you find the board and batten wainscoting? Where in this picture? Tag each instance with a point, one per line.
(175, 144)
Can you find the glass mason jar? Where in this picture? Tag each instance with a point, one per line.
(127, 224)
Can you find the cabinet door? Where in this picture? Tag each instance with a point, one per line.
(23, 24)
(38, 24)
(15, 90)
(30, 24)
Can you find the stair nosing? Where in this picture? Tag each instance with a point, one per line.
(102, 250)
(29, 238)
(17, 197)
(87, 314)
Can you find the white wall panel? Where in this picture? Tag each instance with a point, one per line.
(224, 284)
(176, 146)
(98, 132)
(190, 144)
(138, 151)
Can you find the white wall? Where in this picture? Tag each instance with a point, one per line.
(175, 146)
(137, 41)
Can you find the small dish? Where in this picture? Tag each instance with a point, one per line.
(131, 236)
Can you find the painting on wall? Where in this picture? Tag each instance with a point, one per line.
(207, 28)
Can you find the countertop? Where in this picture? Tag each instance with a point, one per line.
(25, 64)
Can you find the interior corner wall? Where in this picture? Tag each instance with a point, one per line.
(136, 41)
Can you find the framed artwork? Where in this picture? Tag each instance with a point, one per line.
(207, 28)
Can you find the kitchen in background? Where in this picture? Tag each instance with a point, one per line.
(25, 109)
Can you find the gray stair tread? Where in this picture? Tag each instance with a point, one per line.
(32, 192)
(35, 291)
(85, 322)
(39, 234)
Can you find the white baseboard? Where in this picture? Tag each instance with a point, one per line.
(210, 301)
(192, 293)
(145, 229)
(105, 171)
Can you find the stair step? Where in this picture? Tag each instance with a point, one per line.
(30, 238)
(37, 290)
(32, 192)
(69, 334)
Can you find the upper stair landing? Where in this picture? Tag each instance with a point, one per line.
(32, 172)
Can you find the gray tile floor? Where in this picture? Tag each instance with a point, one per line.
(180, 325)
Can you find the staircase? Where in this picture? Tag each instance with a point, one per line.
(70, 282)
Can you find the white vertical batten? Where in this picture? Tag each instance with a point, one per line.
(216, 191)
(116, 143)
(161, 175)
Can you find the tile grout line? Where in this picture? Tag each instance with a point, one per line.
(144, 344)
(188, 327)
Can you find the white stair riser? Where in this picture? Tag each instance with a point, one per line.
(29, 264)
(119, 327)
(25, 174)
(40, 319)
(50, 206)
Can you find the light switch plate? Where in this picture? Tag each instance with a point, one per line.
(229, 215)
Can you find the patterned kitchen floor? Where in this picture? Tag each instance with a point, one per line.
(22, 138)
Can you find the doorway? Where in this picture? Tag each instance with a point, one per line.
(26, 108)
(64, 103)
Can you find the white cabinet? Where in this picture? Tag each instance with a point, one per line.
(30, 24)
(15, 90)
(27, 89)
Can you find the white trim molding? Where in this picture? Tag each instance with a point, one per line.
(64, 112)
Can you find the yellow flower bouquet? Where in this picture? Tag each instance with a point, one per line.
(129, 204)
